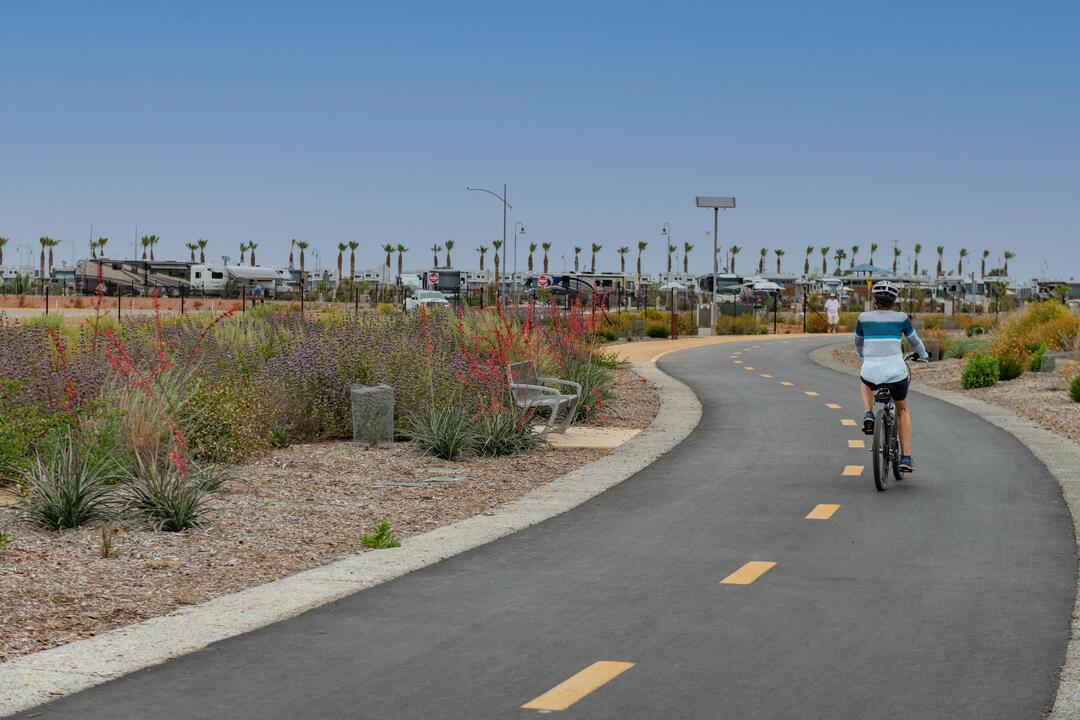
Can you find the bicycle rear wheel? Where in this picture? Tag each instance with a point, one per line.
(895, 453)
(880, 449)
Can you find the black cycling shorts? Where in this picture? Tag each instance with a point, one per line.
(898, 389)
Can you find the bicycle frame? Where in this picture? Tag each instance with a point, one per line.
(886, 443)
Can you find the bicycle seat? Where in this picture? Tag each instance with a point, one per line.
(883, 395)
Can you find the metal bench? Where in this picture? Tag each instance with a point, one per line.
(530, 391)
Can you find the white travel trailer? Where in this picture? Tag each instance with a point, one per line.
(212, 279)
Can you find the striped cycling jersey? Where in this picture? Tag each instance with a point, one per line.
(877, 341)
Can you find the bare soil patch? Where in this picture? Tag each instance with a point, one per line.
(287, 511)
(1040, 397)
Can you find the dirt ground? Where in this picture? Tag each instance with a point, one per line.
(287, 511)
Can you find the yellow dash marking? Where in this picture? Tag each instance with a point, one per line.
(832, 406)
(748, 573)
(766, 375)
(747, 367)
(811, 393)
(848, 422)
(574, 688)
(789, 384)
(856, 444)
(738, 362)
(822, 512)
(855, 470)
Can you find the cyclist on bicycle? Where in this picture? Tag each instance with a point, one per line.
(878, 336)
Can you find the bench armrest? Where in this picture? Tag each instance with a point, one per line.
(540, 388)
(558, 381)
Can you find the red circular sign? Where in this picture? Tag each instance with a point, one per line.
(543, 281)
(433, 277)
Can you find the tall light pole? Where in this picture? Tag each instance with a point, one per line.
(513, 281)
(506, 205)
(665, 232)
(715, 203)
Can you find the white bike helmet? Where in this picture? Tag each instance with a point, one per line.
(884, 289)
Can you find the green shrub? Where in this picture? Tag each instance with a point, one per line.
(381, 537)
(65, 488)
(5, 539)
(1074, 389)
(1036, 358)
(446, 433)
(168, 500)
(974, 330)
(223, 424)
(595, 380)
(980, 371)
(964, 347)
(1009, 367)
(504, 432)
(606, 334)
(658, 330)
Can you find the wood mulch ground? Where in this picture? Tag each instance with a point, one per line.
(288, 511)
(1040, 397)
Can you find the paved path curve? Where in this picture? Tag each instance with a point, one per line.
(948, 596)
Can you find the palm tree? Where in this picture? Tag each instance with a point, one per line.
(101, 243)
(895, 257)
(532, 249)
(303, 246)
(388, 249)
(52, 244)
(670, 249)
(45, 241)
(3, 241)
(190, 246)
(401, 250)
(918, 249)
(960, 263)
(292, 244)
(982, 266)
(483, 251)
(497, 244)
(202, 251)
(243, 252)
(940, 255)
(824, 254)
(435, 250)
(761, 261)
(145, 242)
(546, 246)
(873, 249)
(840, 255)
(622, 258)
(154, 240)
(806, 260)
(353, 245)
(93, 250)
(595, 249)
(686, 248)
(251, 246)
(640, 249)
(854, 252)
(341, 248)
(449, 247)
(577, 251)
(1008, 256)
(735, 249)
(779, 254)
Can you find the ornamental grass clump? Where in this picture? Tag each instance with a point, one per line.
(1074, 389)
(166, 498)
(445, 432)
(980, 371)
(1009, 367)
(66, 488)
(382, 537)
(504, 432)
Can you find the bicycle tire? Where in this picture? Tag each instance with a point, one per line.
(881, 468)
(896, 453)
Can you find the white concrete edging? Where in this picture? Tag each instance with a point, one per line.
(34, 679)
(1062, 458)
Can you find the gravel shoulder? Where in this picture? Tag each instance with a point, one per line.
(288, 511)
(1039, 397)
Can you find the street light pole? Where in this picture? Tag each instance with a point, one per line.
(715, 203)
(506, 205)
(513, 281)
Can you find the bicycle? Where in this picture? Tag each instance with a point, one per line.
(886, 443)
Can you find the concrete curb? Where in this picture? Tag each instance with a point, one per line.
(1062, 459)
(37, 678)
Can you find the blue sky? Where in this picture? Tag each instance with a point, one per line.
(834, 124)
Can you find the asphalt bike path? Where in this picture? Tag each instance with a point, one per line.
(699, 588)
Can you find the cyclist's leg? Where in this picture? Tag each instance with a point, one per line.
(867, 396)
(903, 419)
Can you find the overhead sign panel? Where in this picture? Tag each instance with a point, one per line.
(712, 201)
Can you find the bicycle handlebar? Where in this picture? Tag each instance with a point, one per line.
(914, 357)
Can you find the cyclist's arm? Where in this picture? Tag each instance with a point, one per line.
(914, 340)
(859, 338)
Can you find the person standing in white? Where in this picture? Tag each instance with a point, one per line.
(832, 312)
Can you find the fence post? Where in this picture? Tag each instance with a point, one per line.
(119, 293)
(301, 297)
(46, 300)
(181, 300)
(243, 299)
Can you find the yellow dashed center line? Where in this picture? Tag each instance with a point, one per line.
(852, 470)
(823, 511)
(747, 367)
(748, 573)
(766, 375)
(811, 393)
(832, 406)
(572, 689)
(789, 384)
(848, 422)
(856, 444)
(738, 362)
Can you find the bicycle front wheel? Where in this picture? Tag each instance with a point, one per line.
(881, 448)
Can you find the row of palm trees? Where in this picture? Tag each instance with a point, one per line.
(840, 255)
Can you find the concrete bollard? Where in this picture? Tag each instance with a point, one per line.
(372, 414)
